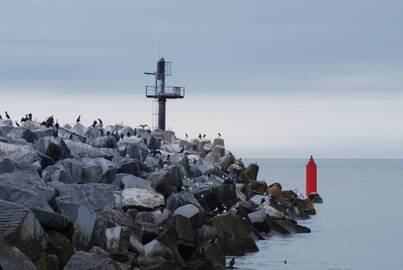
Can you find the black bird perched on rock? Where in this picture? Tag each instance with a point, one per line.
(100, 121)
(57, 125)
(186, 135)
(143, 126)
(94, 123)
(30, 116)
(232, 263)
(16, 123)
(1, 117)
(7, 115)
(182, 150)
(204, 136)
(219, 135)
(168, 157)
(285, 261)
(78, 119)
(200, 136)
(128, 134)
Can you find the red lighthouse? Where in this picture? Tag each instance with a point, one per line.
(311, 181)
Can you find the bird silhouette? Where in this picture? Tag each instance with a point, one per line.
(182, 150)
(94, 123)
(57, 125)
(78, 119)
(204, 136)
(200, 136)
(100, 121)
(186, 135)
(143, 126)
(232, 263)
(7, 115)
(30, 116)
(16, 123)
(219, 135)
(1, 117)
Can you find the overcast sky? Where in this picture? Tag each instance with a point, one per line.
(282, 78)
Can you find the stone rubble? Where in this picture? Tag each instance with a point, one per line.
(116, 197)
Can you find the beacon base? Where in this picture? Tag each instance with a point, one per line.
(315, 198)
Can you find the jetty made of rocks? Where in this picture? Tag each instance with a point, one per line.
(115, 198)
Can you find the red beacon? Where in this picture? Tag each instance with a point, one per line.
(311, 182)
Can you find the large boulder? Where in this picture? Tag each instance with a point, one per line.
(89, 170)
(117, 240)
(20, 154)
(237, 239)
(61, 247)
(133, 147)
(141, 198)
(11, 258)
(167, 181)
(18, 133)
(28, 180)
(192, 213)
(90, 261)
(81, 150)
(176, 200)
(53, 147)
(20, 227)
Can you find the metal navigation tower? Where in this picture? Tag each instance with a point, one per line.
(161, 92)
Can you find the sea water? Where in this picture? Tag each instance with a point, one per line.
(358, 226)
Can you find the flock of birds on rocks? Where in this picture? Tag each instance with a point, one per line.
(51, 122)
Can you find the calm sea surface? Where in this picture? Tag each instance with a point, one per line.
(359, 225)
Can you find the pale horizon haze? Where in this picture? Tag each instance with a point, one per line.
(279, 79)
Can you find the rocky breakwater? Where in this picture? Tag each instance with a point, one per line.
(121, 198)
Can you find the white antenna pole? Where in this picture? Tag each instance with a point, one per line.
(159, 49)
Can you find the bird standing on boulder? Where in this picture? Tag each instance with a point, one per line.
(94, 123)
(7, 115)
(30, 116)
(16, 123)
(204, 136)
(186, 135)
(100, 122)
(219, 135)
(200, 136)
(78, 119)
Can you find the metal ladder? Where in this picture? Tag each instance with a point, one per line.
(154, 120)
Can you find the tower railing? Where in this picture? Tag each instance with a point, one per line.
(169, 92)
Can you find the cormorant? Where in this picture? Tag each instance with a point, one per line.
(71, 136)
(204, 136)
(219, 135)
(168, 156)
(94, 123)
(57, 125)
(232, 263)
(186, 135)
(17, 124)
(143, 126)
(30, 116)
(200, 136)
(182, 150)
(100, 121)
(8, 116)
(78, 119)
(285, 261)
